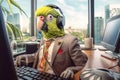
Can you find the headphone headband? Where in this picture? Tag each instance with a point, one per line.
(56, 7)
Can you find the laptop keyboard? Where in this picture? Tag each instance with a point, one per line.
(28, 73)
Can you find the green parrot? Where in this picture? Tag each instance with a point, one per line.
(49, 15)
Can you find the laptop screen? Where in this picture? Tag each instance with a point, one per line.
(7, 68)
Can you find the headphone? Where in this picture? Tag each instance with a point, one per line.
(60, 19)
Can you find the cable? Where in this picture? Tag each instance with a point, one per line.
(118, 63)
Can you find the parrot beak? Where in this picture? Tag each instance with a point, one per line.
(40, 22)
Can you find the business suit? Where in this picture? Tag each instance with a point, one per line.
(66, 55)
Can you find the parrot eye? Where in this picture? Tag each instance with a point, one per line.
(42, 18)
(49, 17)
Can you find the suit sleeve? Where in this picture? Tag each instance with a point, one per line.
(78, 57)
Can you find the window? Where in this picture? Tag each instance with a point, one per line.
(104, 10)
(20, 20)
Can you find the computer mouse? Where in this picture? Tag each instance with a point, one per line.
(99, 74)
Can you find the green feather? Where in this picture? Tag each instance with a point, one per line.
(45, 10)
(53, 30)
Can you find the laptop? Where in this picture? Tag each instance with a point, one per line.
(7, 68)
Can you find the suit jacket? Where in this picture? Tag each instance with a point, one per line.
(66, 55)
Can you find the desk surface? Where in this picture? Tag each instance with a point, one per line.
(96, 61)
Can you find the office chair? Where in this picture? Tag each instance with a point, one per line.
(99, 74)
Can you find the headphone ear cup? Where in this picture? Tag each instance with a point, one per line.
(60, 22)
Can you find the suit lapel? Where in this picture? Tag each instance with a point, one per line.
(56, 47)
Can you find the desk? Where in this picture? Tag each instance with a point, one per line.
(96, 61)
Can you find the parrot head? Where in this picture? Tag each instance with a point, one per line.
(47, 22)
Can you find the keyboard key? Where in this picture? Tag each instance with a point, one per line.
(27, 73)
